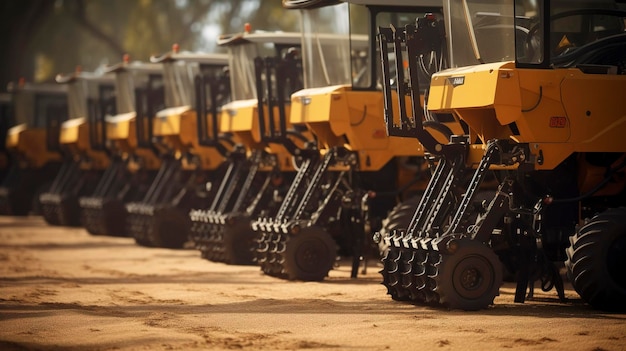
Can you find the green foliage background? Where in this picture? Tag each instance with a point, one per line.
(41, 38)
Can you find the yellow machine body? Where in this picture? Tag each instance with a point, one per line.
(74, 137)
(340, 116)
(121, 133)
(30, 145)
(28, 138)
(540, 87)
(241, 119)
(176, 127)
(558, 112)
(75, 131)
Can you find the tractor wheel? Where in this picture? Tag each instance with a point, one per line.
(144, 242)
(239, 243)
(139, 227)
(395, 264)
(114, 214)
(170, 229)
(596, 260)
(470, 278)
(309, 255)
(399, 218)
(69, 212)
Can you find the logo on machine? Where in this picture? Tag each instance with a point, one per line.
(456, 81)
(305, 100)
(558, 122)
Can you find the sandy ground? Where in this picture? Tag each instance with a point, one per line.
(63, 289)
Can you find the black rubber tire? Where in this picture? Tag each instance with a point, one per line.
(70, 212)
(398, 218)
(309, 255)
(143, 242)
(391, 275)
(49, 218)
(596, 260)
(470, 278)
(139, 226)
(115, 218)
(170, 229)
(50, 214)
(239, 243)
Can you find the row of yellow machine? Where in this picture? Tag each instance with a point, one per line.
(460, 142)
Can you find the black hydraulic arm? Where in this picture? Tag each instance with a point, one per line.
(436, 201)
(254, 162)
(97, 109)
(461, 213)
(281, 77)
(413, 40)
(232, 185)
(207, 89)
(296, 187)
(313, 185)
(405, 128)
(55, 114)
(229, 182)
(111, 174)
(143, 121)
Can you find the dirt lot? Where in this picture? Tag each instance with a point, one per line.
(62, 289)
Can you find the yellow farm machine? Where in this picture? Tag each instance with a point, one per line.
(264, 70)
(34, 116)
(355, 175)
(540, 87)
(84, 156)
(6, 121)
(192, 151)
(127, 134)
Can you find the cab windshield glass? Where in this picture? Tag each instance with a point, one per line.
(326, 46)
(125, 88)
(573, 24)
(480, 31)
(77, 99)
(241, 66)
(35, 108)
(179, 87)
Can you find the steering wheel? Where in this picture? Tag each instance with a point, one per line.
(532, 39)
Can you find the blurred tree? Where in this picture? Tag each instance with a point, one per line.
(41, 38)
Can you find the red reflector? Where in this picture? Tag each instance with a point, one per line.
(379, 134)
(558, 122)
